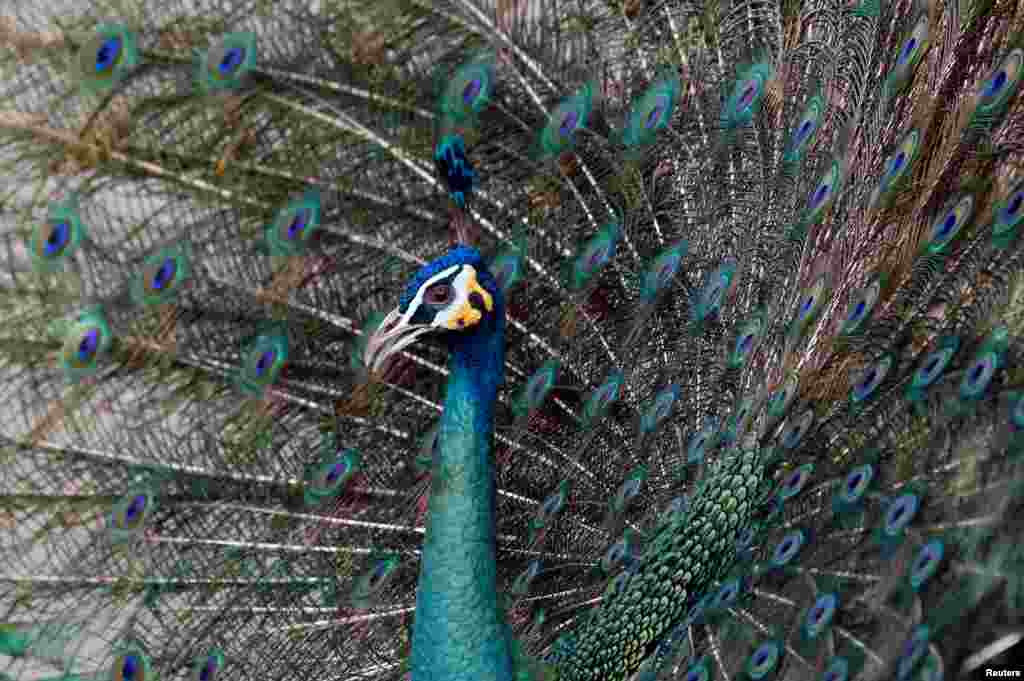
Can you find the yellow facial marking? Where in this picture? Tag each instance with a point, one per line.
(475, 286)
(466, 315)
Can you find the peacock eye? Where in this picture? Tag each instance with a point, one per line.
(439, 294)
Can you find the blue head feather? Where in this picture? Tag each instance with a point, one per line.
(481, 347)
(460, 255)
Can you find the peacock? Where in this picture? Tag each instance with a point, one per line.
(450, 340)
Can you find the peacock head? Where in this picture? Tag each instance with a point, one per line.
(454, 297)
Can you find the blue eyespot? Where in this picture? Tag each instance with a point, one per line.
(788, 548)
(231, 60)
(913, 650)
(901, 511)
(796, 481)
(856, 484)
(926, 563)
(471, 90)
(131, 665)
(108, 53)
(764, 660)
(820, 615)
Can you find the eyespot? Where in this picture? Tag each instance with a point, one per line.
(788, 548)
(108, 53)
(856, 484)
(603, 397)
(820, 615)
(570, 116)
(330, 477)
(746, 340)
(824, 192)
(651, 112)
(914, 649)
(368, 587)
(915, 43)
(533, 394)
(595, 254)
(804, 130)
(1002, 83)
(128, 516)
(709, 298)
(131, 665)
(810, 304)
(869, 380)
(228, 61)
(899, 514)
(55, 240)
(861, 307)
(208, 667)
(926, 563)
(897, 166)
(295, 227)
(781, 398)
(1009, 213)
(978, 375)
(909, 56)
(662, 271)
(106, 57)
(796, 481)
(746, 96)
(950, 223)
(657, 113)
(262, 361)
(932, 367)
(86, 341)
(794, 432)
(763, 661)
(470, 89)
(52, 243)
(162, 276)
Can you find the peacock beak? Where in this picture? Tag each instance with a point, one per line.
(393, 335)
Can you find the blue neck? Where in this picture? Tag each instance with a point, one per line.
(459, 632)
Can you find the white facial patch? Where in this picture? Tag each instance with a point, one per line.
(447, 318)
(418, 299)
